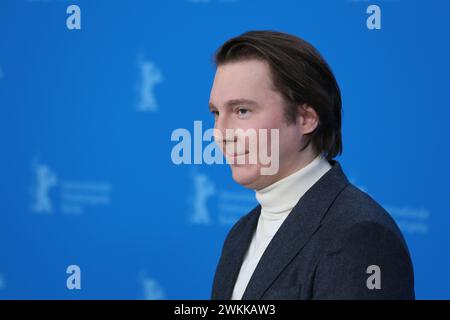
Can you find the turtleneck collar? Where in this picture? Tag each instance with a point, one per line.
(279, 198)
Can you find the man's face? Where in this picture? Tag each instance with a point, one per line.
(242, 97)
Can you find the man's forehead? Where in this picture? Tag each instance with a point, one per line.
(240, 80)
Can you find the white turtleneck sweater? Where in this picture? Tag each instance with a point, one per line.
(276, 200)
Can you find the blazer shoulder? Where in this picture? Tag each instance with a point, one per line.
(357, 233)
(354, 208)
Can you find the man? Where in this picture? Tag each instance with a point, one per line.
(313, 235)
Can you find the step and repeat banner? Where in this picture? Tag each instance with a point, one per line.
(94, 96)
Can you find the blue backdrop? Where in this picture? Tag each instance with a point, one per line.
(87, 116)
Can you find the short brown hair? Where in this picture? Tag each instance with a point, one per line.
(300, 74)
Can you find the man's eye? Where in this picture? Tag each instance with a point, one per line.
(243, 111)
(215, 113)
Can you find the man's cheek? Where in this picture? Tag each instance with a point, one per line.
(218, 139)
(269, 151)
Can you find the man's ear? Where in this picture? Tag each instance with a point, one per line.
(307, 119)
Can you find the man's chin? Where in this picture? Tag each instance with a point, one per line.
(245, 175)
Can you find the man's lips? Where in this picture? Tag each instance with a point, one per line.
(237, 154)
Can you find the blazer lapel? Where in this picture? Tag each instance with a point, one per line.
(231, 260)
(291, 237)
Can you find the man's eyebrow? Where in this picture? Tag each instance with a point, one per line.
(235, 102)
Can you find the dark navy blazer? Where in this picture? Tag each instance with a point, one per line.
(323, 249)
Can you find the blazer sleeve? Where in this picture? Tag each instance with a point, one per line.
(370, 262)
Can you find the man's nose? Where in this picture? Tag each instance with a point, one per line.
(223, 131)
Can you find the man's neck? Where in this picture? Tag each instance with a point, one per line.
(282, 195)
